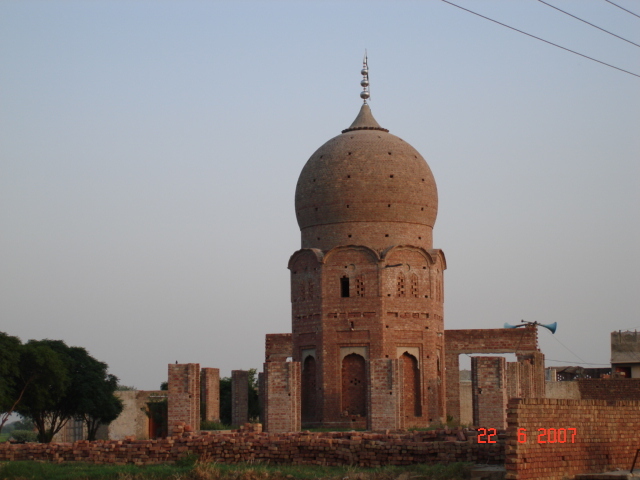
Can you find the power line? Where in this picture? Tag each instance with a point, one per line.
(583, 363)
(542, 39)
(588, 23)
(609, 1)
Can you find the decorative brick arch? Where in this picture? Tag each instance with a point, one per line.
(354, 385)
(411, 390)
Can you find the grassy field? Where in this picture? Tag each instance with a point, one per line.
(208, 471)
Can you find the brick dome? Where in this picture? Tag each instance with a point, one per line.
(366, 187)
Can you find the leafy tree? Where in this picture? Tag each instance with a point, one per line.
(44, 371)
(77, 387)
(9, 372)
(254, 401)
(93, 391)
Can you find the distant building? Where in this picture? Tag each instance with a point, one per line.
(625, 354)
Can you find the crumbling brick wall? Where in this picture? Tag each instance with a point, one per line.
(239, 397)
(278, 347)
(561, 438)
(283, 397)
(302, 448)
(184, 395)
(497, 340)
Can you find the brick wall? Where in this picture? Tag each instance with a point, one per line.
(609, 389)
(278, 347)
(495, 340)
(605, 438)
(336, 448)
(239, 397)
(184, 395)
(210, 393)
(488, 380)
(385, 395)
(283, 396)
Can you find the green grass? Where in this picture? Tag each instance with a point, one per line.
(207, 471)
(4, 437)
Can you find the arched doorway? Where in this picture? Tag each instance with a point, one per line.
(411, 387)
(309, 407)
(354, 385)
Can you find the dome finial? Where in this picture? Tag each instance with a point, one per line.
(365, 79)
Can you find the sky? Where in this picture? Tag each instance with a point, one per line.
(149, 152)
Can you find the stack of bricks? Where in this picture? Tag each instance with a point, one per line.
(184, 395)
(385, 395)
(251, 445)
(488, 379)
(551, 439)
(282, 396)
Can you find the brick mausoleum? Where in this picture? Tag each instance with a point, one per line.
(367, 295)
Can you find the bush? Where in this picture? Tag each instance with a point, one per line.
(213, 425)
(23, 436)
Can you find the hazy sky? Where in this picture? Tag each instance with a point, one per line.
(149, 152)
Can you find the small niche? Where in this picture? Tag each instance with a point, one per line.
(390, 176)
(347, 206)
(386, 234)
(349, 153)
(419, 238)
(389, 153)
(349, 235)
(348, 176)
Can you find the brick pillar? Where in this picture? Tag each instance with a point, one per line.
(533, 381)
(514, 380)
(184, 396)
(385, 395)
(239, 397)
(210, 392)
(488, 379)
(282, 406)
(452, 382)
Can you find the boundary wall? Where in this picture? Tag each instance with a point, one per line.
(606, 437)
(331, 448)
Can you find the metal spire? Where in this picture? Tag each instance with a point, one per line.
(364, 95)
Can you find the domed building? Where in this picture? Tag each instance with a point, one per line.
(366, 285)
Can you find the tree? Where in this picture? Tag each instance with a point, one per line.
(93, 391)
(78, 387)
(9, 371)
(44, 374)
